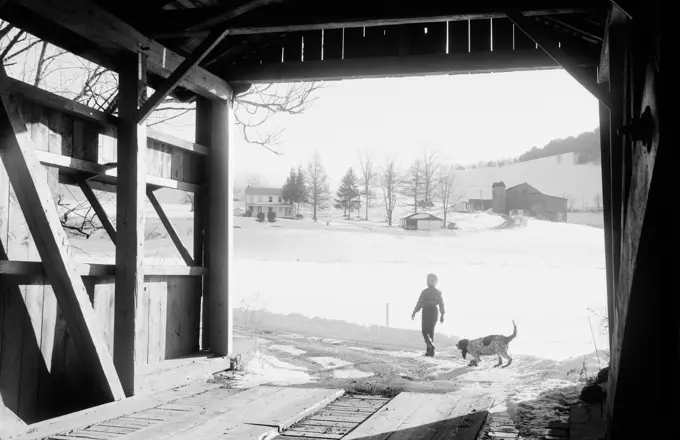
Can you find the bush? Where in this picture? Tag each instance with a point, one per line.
(271, 216)
(260, 217)
(451, 225)
(248, 213)
(299, 217)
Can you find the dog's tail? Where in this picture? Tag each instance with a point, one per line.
(513, 335)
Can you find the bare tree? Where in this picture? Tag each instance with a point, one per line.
(598, 202)
(68, 75)
(256, 106)
(190, 199)
(429, 178)
(411, 185)
(317, 186)
(570, 201)
(447, 180)
(77, 215)
(367, 176)
(390, 189)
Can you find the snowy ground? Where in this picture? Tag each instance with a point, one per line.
(545, 276)
(548, 277)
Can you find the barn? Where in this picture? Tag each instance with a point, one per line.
(422, 221)
(528, 199)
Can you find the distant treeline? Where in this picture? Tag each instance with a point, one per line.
(585, 145)
(335, 329)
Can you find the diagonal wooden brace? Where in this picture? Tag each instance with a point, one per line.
(98, 209)
(181, 72)
(563, 59)
(29, 180)
(186, 256)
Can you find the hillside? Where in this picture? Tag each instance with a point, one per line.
(560, 176)
(586, 146)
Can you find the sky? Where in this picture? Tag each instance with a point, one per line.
(464, 118)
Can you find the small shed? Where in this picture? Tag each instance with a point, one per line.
(238, 211)
(422, 221)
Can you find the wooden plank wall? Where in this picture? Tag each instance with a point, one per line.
(38, 359)
(86, 140)
(481, 35)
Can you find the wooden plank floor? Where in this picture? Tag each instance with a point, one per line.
(409, 416)
(335, 420)
(258, 413)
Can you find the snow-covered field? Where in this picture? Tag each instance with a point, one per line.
(544, 276)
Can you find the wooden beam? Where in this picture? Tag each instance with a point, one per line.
(72, 164)
(35, 268)
(98, 209)
(389, 67)
(29, 180)
(105, 30)
(171, 230)
(584, 32)
(217, 18)
(179, 74)
(314, 15)
(103, 177)
(129, 338)
(56, 102)
(202, 214)
(177, 142)
(221, 231)
(560, 57)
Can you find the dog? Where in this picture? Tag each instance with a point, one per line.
(488, 346)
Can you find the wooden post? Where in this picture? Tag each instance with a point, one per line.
(605, 148)
(220, 229)
(387, 314)
(616, 121)
(129, 324)
(202, 213)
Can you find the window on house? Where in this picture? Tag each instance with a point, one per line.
(280, 200)
(271, 199)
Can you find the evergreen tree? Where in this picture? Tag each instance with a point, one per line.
(294, 190)
(348, 191)
(289, 188)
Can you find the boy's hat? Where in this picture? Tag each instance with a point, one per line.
(432, 279)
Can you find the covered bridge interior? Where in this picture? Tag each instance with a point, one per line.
(65, 325)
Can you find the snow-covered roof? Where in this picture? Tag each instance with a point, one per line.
(264, 191)
(422, 216)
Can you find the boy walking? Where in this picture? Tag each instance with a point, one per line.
(429, 299)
